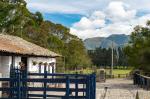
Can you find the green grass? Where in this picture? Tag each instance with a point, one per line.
(119, 71)
(122, 72)
(115, 71)
(85, 71)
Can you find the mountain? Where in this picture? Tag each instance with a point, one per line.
(92, 43)
(118, 40)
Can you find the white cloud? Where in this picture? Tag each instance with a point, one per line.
(117, 11)
(87, 33)
(96, 20)
(123, 22)
(68, 6)
(122, 13)
(80, 6)
(55, 8)
(141, 20)
(98, 15)
(84, 23)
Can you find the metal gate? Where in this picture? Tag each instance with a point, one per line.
(46, 86)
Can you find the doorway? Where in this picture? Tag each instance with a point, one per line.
(25, 61)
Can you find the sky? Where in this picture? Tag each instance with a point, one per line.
(94, 18)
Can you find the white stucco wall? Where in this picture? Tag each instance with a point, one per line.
(16, 60)
(5, 62)
(32, 68)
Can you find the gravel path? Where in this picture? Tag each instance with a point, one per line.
(120, 89)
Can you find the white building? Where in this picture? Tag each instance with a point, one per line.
(14, 50)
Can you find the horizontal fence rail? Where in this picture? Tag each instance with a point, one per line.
(142, 81)
(21, 87)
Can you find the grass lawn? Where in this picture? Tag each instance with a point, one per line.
(85, 71)
(119, 71)
(115, 71)
(123, 72)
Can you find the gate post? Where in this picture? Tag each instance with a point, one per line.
(18, 84)
(11, 83)
(45, 85)
(76, 85)
(67, 87)
(88, 87)
(94, 85)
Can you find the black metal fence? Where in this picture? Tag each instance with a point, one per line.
(142, 81)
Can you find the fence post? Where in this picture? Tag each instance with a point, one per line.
(148, 84)
(88, 87)
(11, 82)
(94, 86)
(91, 86)
(83, 88)
(18, 84)
(138, 80)
(134, 79)
(76, 86)
(67, 87)
(45, 85)
(145, 83)
(119, 75)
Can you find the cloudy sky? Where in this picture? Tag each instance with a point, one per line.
(94, 18)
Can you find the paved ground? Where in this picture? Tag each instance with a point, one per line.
(117, 89)
(120, 89)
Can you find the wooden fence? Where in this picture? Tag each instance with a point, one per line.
(19, 87)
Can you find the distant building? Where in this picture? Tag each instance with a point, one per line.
(14, 50)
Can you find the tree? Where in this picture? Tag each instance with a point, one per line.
(77, 56)
(138, 51)
(122, 60)
(39, 17)
(102, 57)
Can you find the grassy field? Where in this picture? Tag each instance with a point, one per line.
(119, 71)
(85, 71)
(115, 71)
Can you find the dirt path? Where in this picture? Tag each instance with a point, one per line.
(120, 89)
